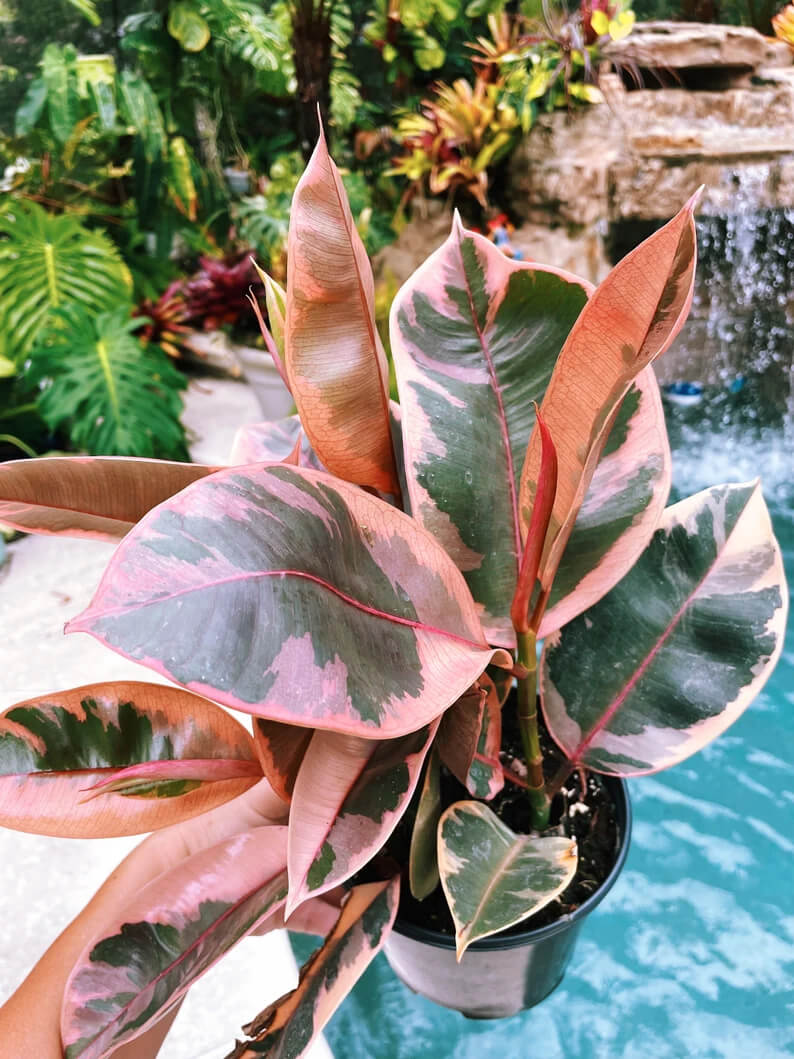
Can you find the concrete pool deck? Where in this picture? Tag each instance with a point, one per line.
(44, 882)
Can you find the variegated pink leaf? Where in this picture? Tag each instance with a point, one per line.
(338, 824)
(335, 361)
(281, 749)
(274, 441)
(631, 319)
(88, 496)
(294, 596)
(621, 509)
(118, 759)
(475, 337)
(174, 930)
(287, 1028)
(680, 647)
(470, 738)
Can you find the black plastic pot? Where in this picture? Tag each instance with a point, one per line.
(503, 974)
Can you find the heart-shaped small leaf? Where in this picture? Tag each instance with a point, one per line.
(118, 759)
(494, 878)
(173, 931)
(680, 647)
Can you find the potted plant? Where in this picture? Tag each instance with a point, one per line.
(370, 583)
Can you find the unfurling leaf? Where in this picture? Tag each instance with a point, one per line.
(155, 947)
(494, 878)
(84, 496)
(336, 365)
(680, 647)
(272, 590)
(281, 749)
(631, 319)
(338, 825)
(118, 759)
(286, 1029)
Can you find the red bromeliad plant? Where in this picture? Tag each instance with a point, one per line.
(368, 582)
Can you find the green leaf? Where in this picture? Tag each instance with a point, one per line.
(680, 647)
(494, 878)
(30, 109)
(423, 861)
(186, 25)
(88, 9)
(112, 395)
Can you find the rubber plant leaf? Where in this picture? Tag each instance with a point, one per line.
(680, 647)
(494, 878)
(286, 1029)
(336, 365)
(273, 441)
(153, 949)
(338, 825)
(475, 337)
(288, 594)
(423, 859)
(118, 759)
(621, 508)
(631, 319)
(281, 749)
(470, 737)
(276, 303)
(88, 496)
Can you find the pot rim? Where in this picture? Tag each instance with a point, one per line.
(619, 787)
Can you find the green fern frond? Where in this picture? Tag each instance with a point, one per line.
(48, 263)
(113, 396)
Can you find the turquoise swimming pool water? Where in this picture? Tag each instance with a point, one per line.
(692, 954)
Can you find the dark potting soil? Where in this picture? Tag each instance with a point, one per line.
(586, 815)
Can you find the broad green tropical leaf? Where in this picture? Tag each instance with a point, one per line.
(281, 749)
(113, 396)
(336, 826)
(49, 262)
(336, 365)
(78, 496)
(186, 24)
(494, 878)
(293, 596)
(273, 441)
(621, 508)
(631, 319)
(470, 737)
(174, 930)
(118, 759)
(423, 859)
(680, 647)
(475, 337)
(286, 1029)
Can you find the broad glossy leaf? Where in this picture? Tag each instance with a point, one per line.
(88, 496)
(281, 749)
(273, 442)
(494, 878)
(621, 509)
(338, 822)
(475, 337)
(293, 596)
(335, 361)
(680, 647)
(118, 759)
(174, 930)
(470, 738)
(631, 319)
(423, 860)
(286, 1029)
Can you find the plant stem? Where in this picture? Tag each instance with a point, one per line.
(560, 778)
(528, 726)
